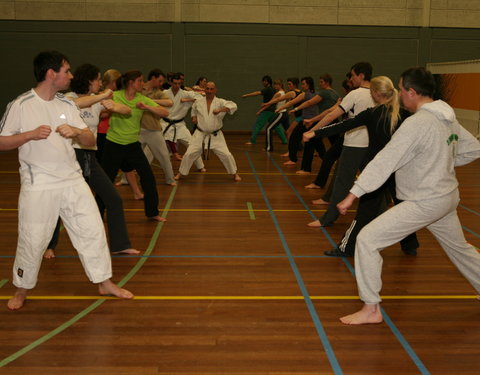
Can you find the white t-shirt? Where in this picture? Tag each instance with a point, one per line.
(48, 163)
(279, 104)
(91, 117)
(353, 103)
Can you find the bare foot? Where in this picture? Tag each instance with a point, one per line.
(177, 156)
(127, 251)
(121, 182)
(18, 299)
(319, 201)
(49, 254)
(289, 162)
(285, 154)
(172, 184)
(108, 287)
(178, 177)
(236, 177)
(369, 314)
(138, 196)
(248, 143)
(302, 172)
(315, 224)
(312, 186)
(157, 218)
(203, 170)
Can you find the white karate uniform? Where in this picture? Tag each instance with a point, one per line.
(179, 131)
(52, 185)
(209, 123)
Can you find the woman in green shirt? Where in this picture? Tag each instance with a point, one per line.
(122, 146)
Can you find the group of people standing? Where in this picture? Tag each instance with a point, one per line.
(58, 144)
(62, 160)
(412, 165)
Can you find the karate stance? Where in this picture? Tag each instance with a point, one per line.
(41, 123)
(423, 153)
(208, 114)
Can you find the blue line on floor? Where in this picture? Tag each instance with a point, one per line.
(311, 308)
(469, 209)
(387, 319)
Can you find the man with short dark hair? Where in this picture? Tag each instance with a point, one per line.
(422, 153)
(41, 123)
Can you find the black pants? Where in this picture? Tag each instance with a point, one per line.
(115, 155)
(107, 196)
(370, 206)
(329, 159)
(295, 141)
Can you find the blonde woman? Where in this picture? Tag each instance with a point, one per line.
(381, 122)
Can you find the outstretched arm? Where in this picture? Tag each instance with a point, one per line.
(298, 99)
(254, 93)
(89, 100)
(157, 110)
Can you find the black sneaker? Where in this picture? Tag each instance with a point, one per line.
(411, 252)
(336, 252)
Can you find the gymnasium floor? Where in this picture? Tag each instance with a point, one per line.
(236, 283)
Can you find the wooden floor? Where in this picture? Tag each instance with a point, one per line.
(236, 283)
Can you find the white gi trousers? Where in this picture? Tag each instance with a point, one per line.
(217, 144)
(438, 215)
(154, 146)
(38, 213)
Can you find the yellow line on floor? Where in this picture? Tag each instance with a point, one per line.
(193, 298)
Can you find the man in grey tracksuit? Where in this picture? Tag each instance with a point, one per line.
(422, 154)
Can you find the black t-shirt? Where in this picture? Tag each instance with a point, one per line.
(268, 93)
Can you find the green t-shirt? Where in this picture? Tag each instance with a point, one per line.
(124, 129)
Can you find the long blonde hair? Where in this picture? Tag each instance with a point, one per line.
(384, 87)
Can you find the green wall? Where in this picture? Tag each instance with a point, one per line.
(236, 56)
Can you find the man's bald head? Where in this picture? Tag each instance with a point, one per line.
(210, 89)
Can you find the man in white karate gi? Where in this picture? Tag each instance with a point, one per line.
(208, 113)
(174, 127)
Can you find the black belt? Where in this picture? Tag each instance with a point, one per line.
(170, 124)
(206, 154)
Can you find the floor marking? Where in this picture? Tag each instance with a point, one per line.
(97, 303)
(3, 282)
(308, 302)
(469, 209)
(251, 212)
(470, 231)
(413, 356)
(243, 298)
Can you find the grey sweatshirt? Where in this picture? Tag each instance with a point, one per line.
(423, 153)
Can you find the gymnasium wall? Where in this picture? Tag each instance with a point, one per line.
(235, 55)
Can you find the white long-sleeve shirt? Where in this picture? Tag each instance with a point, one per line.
(423, 153)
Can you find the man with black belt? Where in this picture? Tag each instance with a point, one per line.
(207, 114)
(174, 127)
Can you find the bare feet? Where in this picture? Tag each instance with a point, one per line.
(127, 251)
(122, 181)
(369, 314)
(49, 254)
(177, 156)
(172, 184)
(302, 172)
(157, 218)
(312, 186)
(249, 143)
(18, 299)
(138, 196)
(289, 162)
(178, 176)
(285, 154)
(236, 177)
(319, 201)
(203, 170)
(108, 287)
(315, 224)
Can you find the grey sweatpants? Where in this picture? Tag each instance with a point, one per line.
(439, 215)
